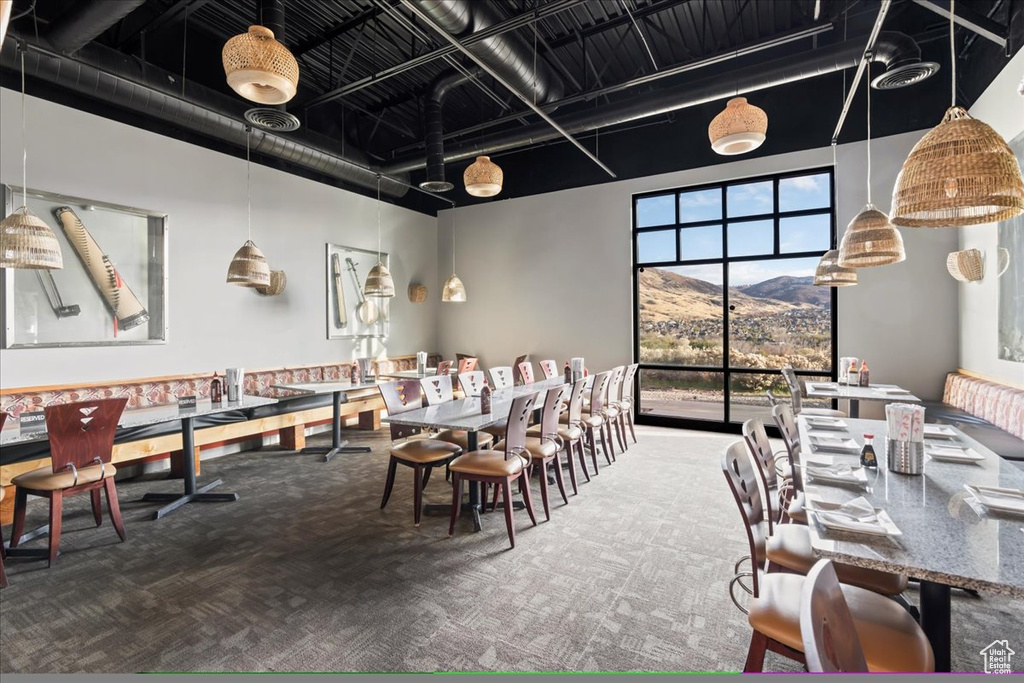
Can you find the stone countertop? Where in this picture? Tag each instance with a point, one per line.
(325, 387)
(874, 392)
(944, 539)
(464, 414)
(142, 417)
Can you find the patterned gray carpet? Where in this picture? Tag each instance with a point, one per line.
(305, 573)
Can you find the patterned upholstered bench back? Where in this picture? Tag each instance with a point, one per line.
(999, 404)
(152, 392)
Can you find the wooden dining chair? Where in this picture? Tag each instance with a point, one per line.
(81, 437)
(438, 390)
(891, 638)
(502, 377)
(772, 466)
(500, 468)
(3, 572)
(472, 383)
(592, 418)
(516, 371)
(550, 368)
(545, 447)
(467, 364)
(526, 372)
(444, 367)
(626, 400)
(792, 503)
(420, 454)
(796, 396)
(570, 431)
(613, 410)
(827, 628)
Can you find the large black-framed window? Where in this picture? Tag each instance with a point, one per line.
(723, 295)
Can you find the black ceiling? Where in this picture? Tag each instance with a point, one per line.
(589, 45)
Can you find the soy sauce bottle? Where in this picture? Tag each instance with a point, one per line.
(867, 454)
(485, 400)
(568, 373)
(216, 394)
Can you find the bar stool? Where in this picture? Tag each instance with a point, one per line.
(549, 368)
(545, 447)
(438, 390)
(571, 432)
(81, 437)
(422, 454)
(499, 467)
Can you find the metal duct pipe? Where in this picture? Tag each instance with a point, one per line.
(507, 53)
(110, 76)
(750, 79)
(85, 21)
(272, 17)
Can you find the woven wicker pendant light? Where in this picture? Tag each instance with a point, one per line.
(483, 177)
(6, 6)
(453, 291)
(379, 281)
(870, 239)
(248, 267)
(739, 128)
(25, 240)
(960, 173)
(259, 68)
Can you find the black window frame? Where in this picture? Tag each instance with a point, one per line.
(726, 425)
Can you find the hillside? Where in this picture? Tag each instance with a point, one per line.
(686, 298)
(794, 290)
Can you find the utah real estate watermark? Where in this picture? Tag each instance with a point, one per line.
(998, 656)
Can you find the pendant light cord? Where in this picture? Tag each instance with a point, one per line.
(24, 140)
(248, 183)
(453, 244)
(378, 218)
(952, 53)
(868, 81)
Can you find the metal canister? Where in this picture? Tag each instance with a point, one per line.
(905, 457)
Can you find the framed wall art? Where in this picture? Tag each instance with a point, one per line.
(351, 314)
(112, 289)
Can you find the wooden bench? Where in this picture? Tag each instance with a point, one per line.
(363, 409)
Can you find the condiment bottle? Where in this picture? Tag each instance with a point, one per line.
(216, 395)
(864, 374)
(568, 373)
(852, 376)
(867, 454)
(485, 400)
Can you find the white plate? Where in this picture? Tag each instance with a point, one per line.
(1001, 500)
(894, 391)
(855, 476)
(939, 431)
(834, 444)
(831, 423)
(824, 387)
(837, 522)
(946, 454)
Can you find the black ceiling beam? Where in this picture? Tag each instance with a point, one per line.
(970, 20)
(446, 51)
(161, 20)
(338, 29)
(620, 20)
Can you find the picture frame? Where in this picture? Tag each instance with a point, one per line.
(349, 313)
(112, 290)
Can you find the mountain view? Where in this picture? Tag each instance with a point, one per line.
(780, 320)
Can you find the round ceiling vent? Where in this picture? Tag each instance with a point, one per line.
(903, 75)
(268, 118)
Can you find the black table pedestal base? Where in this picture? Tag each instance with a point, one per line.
(935, 622)
(200, 496)
(331, 451)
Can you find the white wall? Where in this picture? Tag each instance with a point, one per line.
(1002, 108)
(212, 324)
(550, 275)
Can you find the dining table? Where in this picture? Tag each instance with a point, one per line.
(465, 414)
(151, 415)
(946, 538)
(339, 394)
(887, 393)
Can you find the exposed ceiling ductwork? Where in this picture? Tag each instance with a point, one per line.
(895, 49)
(110, 76)
(85, 21)
(511, 56)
